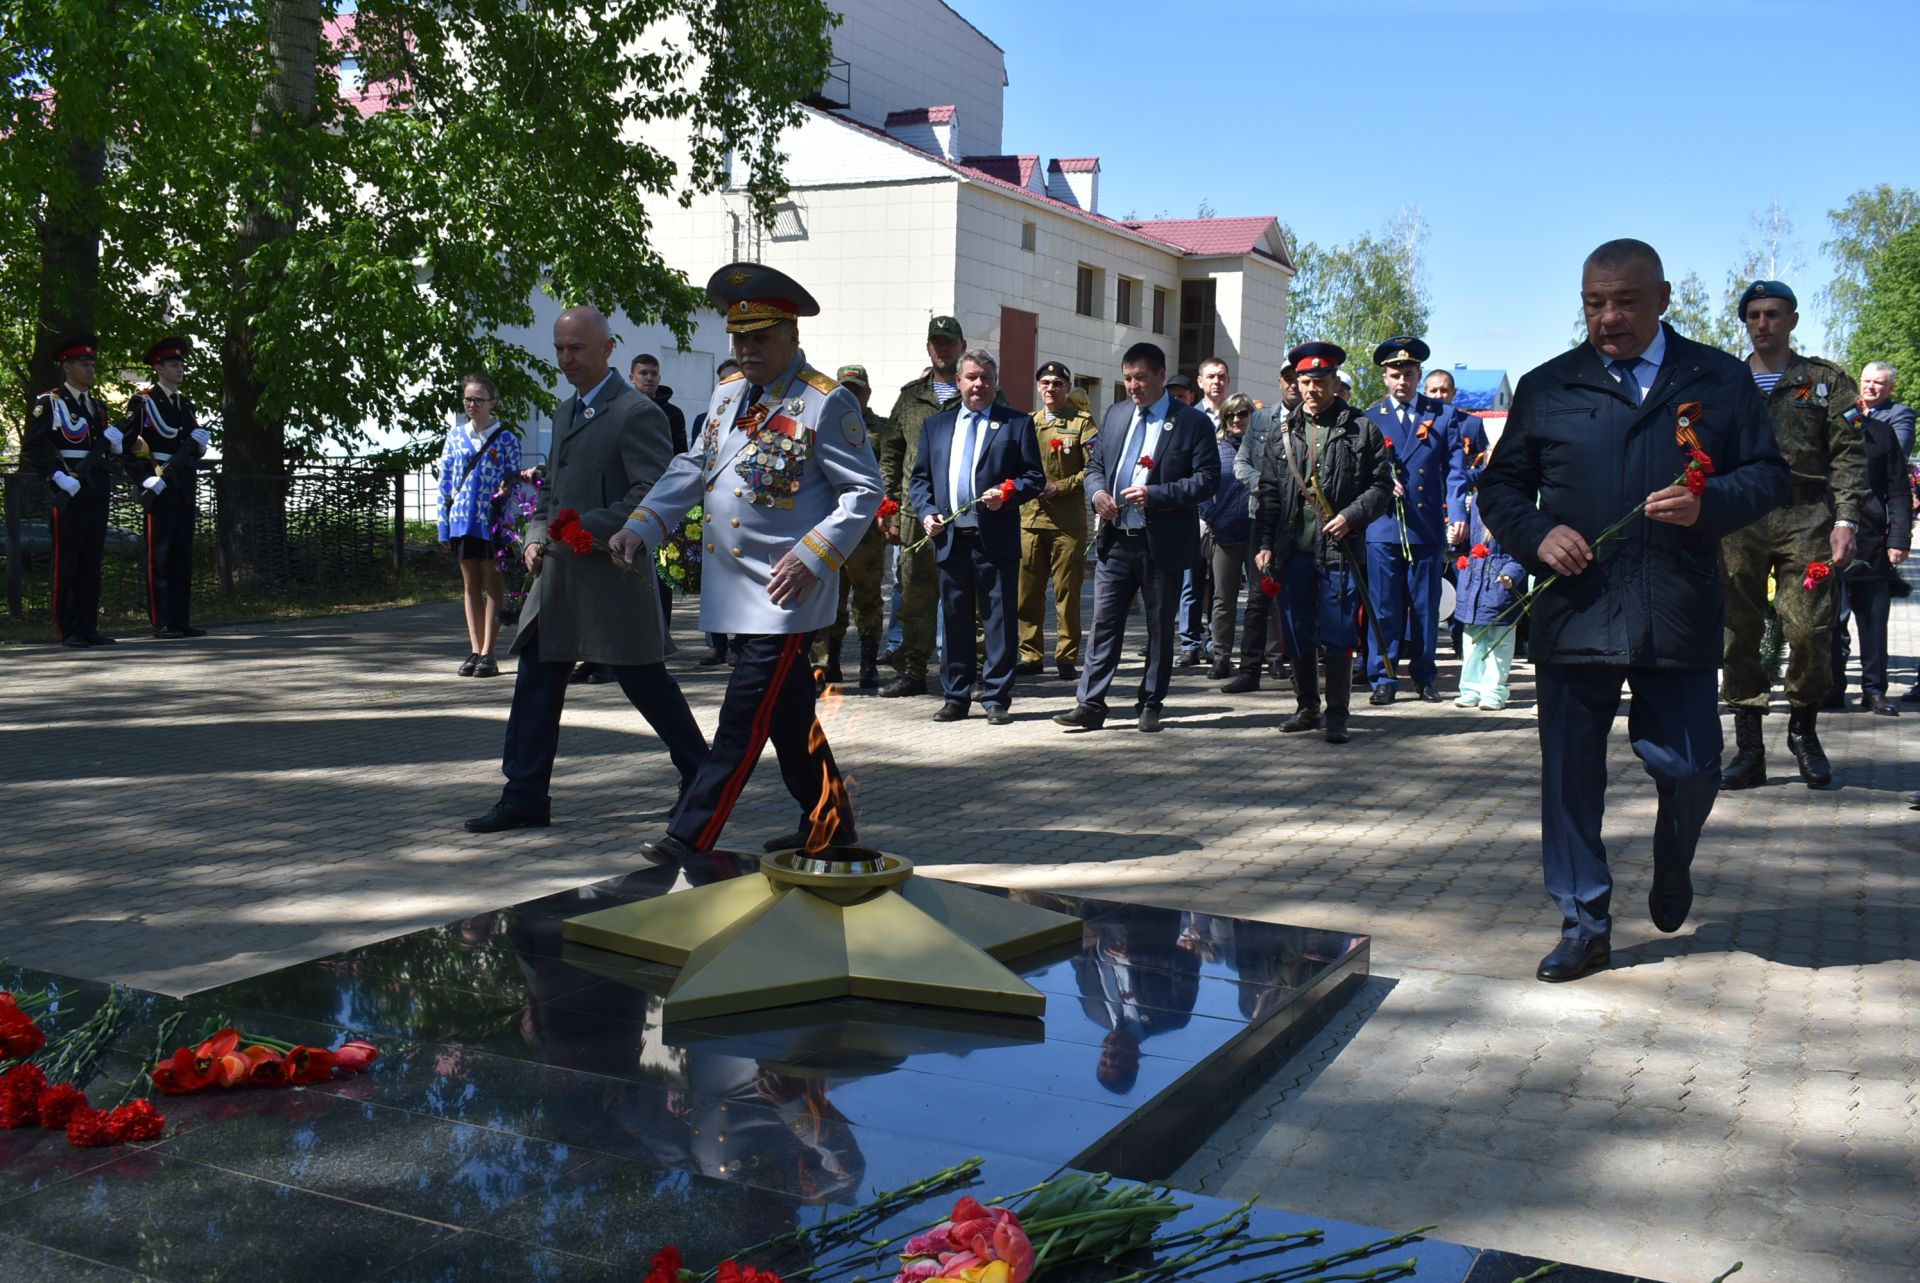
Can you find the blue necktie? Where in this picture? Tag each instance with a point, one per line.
(965, 495)
(1629, 372)
(1129, 460)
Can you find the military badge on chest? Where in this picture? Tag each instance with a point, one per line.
(775, 456)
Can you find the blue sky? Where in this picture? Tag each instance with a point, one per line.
(1526, 132)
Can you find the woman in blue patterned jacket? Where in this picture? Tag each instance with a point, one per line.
(479, 458)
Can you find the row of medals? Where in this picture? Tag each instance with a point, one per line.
(772, 466)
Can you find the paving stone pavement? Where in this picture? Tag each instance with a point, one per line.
(177, 815)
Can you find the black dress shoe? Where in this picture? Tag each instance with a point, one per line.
(1430, 694)
(998, 717)
(97, 638)
(904, 685)
(1336, 732)
(951, 711)
(1083, 717)
(1573, 958)
(1149, 719)
(505, 815)
(1669, 899)
(1248, 680)
(488, 666)
(466, 665)
(713, 655)
(1911, 696)
(191, 631)
(1381, 695)
(1221, 670)
(668, 849)
(582, 672)
(1029, 668)
(1280, 670)
(177, 634)
(1068, 673)
(1876, 703)
(75, 642)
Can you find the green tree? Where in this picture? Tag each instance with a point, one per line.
(1699, 316)
(1360, 294)
(1862, 229)
(1887, 326)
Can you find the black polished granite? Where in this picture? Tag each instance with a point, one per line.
(532, 1117)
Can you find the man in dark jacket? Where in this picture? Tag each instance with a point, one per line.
(1886, 523)
(1324, 475)
(1595, 435)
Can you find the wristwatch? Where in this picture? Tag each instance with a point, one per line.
(1845, 523)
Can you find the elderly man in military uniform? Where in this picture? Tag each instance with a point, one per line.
(1405, 548)
(861, 577)
(1325, 474)
(1807, 399)
(1053, 529)
(71, 444)
(167, 442)
(918, 401)
(791, 487)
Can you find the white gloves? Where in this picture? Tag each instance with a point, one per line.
(66, 483)
(201, 437)
(114, 437)
(155, 484)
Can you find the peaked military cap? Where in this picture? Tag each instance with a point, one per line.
(854, 374)
(1316, 358)
(1766, 289)
(755, 296)
(79, 347)
(173, 348)
(1055, 369)
(1402, 349)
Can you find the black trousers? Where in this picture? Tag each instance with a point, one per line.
(1867, 599)
(533, 726)
(1125, 568)
(974, 586)
(769, 698)
(79, 541)
(170, 557)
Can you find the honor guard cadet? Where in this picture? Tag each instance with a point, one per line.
(1325, 473)
(70, 442)
(861, 576)
(1807, 399)
(1053, 528)
(1406, 548)
(790, 484)
(167, 443)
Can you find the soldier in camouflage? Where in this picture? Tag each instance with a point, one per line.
(1807, 398)
(860, 577)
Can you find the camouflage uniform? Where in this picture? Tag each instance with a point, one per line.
(919, 586)
(1808, 407)
(859, 579)
(1053, 537)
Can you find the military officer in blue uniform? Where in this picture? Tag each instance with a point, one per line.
(1407, 547)
(787, 474)
(72, 445)
(167, 441)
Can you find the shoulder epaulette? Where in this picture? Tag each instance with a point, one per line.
(729, 378)
(817, 381)
(51, 394)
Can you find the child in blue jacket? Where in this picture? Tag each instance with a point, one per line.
(1489, 584)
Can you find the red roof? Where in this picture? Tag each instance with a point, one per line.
(921, 116)
(1075, 164)
(1017, 170)
(1208, 235)
(369, 98)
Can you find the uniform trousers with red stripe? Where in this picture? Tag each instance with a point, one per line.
(769, 698)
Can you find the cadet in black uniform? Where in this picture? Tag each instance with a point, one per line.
(70, 442)
(167, 444)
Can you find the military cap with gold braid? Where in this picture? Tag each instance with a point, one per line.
(1402, 349)
(755, 296)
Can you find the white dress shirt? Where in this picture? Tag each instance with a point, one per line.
(961, 465)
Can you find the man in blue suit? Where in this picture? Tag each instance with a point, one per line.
(966, 452)
(1407, 547)
(1154, 463)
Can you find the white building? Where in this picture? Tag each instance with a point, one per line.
(903, 207)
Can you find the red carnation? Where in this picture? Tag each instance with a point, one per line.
(1269, 585)
(1006, 489)
(87, 1129)
(666, 1266)
(1817, 572)
(1146, 461)
(18, 1109)
(1702, 458)
(19, 1036)
(58, 1104)
(1058, 445)
(887, 508)
(1696, 481)
(1482, 551)
(136, 1121)
(1463, 562)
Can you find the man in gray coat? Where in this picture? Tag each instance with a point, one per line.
(610, 445)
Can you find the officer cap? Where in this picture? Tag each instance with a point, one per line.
(173, 348)
(1055, 369)
(946, 327)
(1766, 289)
(81, 347)
(1402, 349)
(854, 374)
(1316, 358)
(755, 296)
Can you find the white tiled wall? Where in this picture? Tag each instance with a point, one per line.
(920, 53)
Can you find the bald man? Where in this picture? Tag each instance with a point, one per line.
(610, 444)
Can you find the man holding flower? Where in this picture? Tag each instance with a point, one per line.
(1587, 485)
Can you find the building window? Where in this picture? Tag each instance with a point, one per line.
(1159, 310)
(1119, 392)
(1089, 386)
(1126, 307)
(1086, 291)
(1197, 324)
(1029, 236)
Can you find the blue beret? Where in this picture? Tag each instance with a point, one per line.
(1766, 289)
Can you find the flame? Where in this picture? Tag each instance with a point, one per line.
(832, 815)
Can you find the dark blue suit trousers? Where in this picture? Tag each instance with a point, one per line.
(974, 585)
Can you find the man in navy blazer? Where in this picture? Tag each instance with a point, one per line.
(1154, 463)
(966, 452)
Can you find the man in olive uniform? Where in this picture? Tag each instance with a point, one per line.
(860, 577)
(71, 444)
(1807, 399)
(167, 444)
(919, 401)
(1053, 529)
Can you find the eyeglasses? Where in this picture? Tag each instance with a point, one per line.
(476, 400)
(1241, 414)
